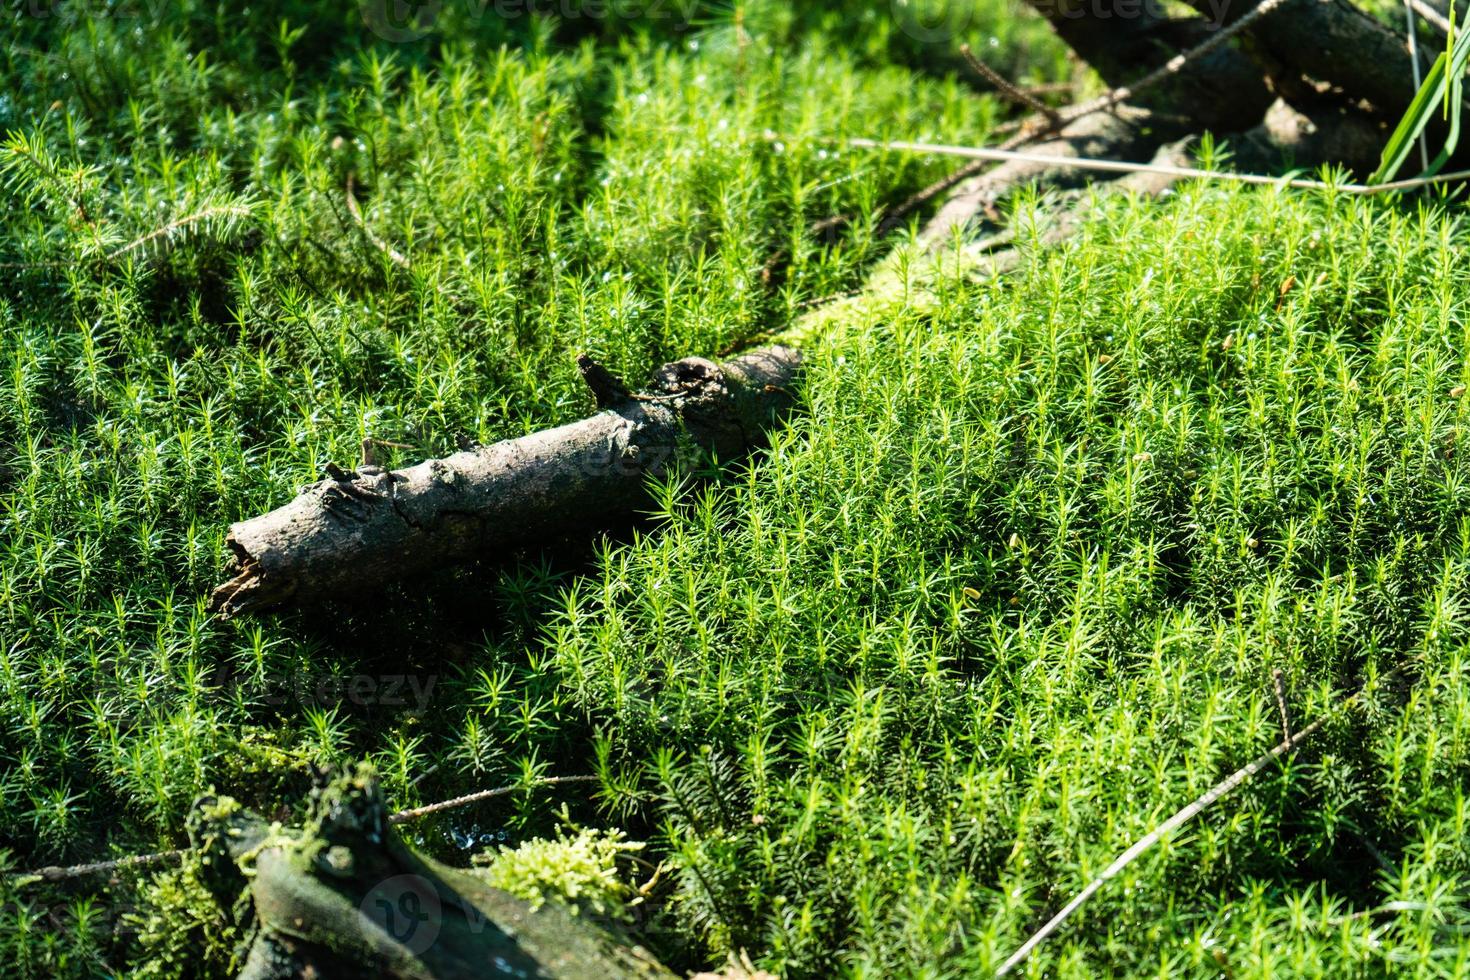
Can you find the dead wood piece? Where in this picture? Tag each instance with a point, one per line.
(1329, 41)
(1330, 134)
(1125, 134)
(1221, 89)
(345, 896)
(355, 531)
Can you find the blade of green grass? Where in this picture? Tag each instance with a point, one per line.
(1441, 86)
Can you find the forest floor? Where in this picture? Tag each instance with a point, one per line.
(1009, 589)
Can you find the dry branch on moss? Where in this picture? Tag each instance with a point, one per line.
(355, 531)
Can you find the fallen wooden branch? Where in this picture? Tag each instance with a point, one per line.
(1173, 67)
(355, 531)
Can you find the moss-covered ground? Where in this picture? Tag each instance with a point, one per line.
(1008, 591)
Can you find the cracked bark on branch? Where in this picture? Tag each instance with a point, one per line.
(355, 531)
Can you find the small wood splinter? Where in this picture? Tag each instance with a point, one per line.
(1279, 683)
(607, 388)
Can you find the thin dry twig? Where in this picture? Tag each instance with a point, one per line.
(31, 266)
(402, 816)
(1027, 130)
(222, 210)
(1434, 17)
(394, 256)
(370, 458)
(900, 212)
(1049, 120)
(1002, 84)
(1169, 170)
(1278, 683)
(54, 873)
(1049, 88)
(1223, 788)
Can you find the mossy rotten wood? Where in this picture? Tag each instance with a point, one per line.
(345, 896)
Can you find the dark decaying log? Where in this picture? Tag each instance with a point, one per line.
(354, 531)
(1123, 40)
(343, 896)
(1328, 41)
(1332, 134)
